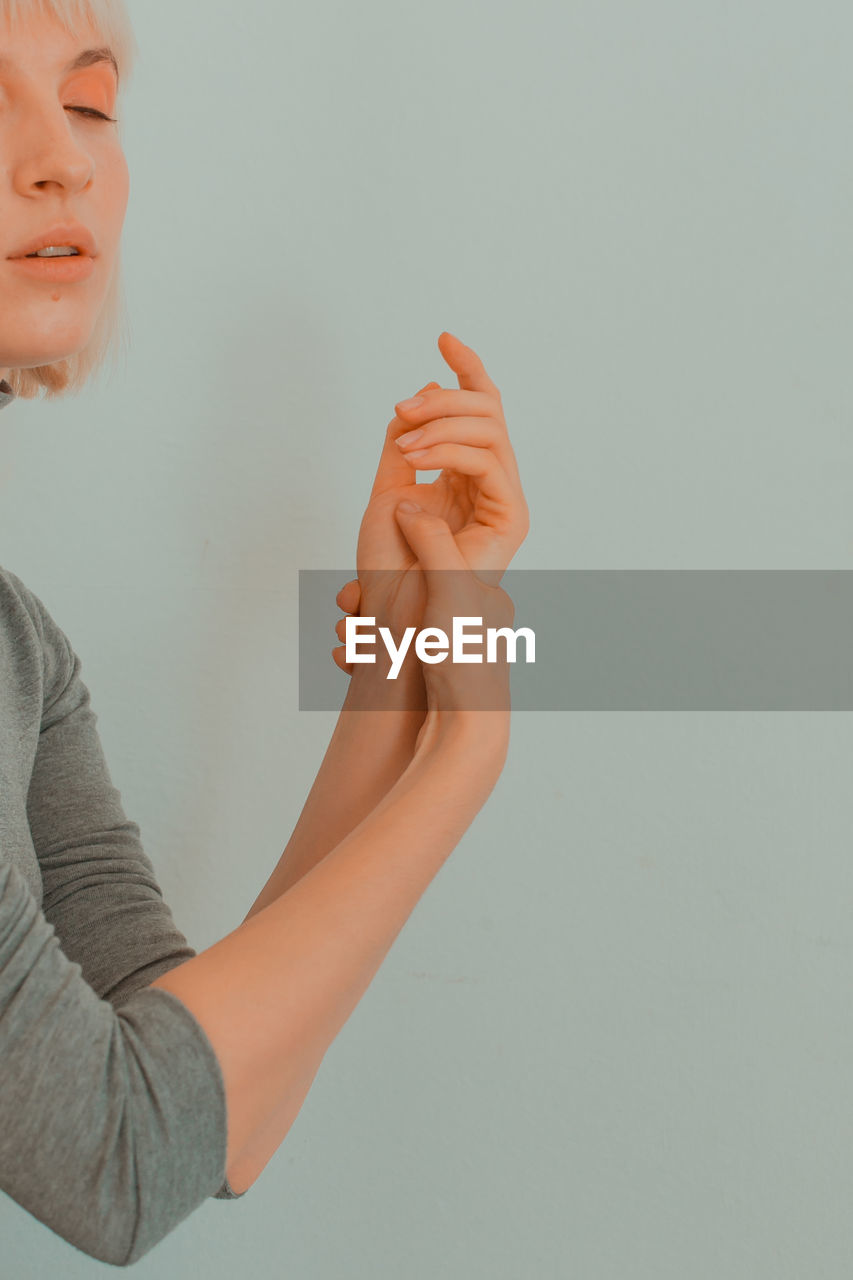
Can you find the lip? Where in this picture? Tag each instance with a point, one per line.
(70, 233)
(55, 270)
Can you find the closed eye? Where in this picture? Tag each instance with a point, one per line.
(91, 111)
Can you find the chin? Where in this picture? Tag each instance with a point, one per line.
(38, 362)
(48, 348)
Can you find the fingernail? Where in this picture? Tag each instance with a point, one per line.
(406, 505)
(409, 404)
(409, 437)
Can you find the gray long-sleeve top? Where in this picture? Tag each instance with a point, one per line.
(113, 1118)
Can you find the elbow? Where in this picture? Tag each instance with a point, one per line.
(111, 1238)
(245, 1166)
(112, 1229)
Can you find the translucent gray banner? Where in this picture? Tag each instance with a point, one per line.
(642, 640)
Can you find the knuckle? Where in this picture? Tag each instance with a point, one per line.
(339, 658)
(349, 591)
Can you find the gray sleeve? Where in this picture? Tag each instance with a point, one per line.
(112, 1121)
(100, 890)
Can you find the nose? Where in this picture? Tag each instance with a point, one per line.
(50, 155)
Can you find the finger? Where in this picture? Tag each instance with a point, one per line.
(431, 540)
(430, 386)
(466, 364)
(349, 596)
(484, 432)
(338, 658)
(495, 489)
(390, 471)
(450, 402)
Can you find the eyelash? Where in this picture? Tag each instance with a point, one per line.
(96, 115)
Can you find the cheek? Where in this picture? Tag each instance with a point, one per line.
(115, 188)
(122, 179)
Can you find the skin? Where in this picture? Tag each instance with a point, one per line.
(56, 165)
(480, 518)
(398, 786)
(59, 164)
(478, 494)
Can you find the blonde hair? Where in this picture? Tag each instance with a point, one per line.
(110, 334)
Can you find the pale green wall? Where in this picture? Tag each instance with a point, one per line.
(615, 1040)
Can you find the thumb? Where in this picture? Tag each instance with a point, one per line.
(430, 539)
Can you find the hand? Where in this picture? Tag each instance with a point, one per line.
(348, 600)
(478, 495)
(458, 693)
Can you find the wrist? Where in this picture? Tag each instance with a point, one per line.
(481, 736)
(371, 689)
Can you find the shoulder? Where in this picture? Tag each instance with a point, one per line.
(20, 604)
(33, 647)
(16, 599)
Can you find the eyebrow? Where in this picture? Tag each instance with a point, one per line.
(88, 58)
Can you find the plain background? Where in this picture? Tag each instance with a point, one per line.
(615, 1039)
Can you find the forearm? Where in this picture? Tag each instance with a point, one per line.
(367, 753)
(273, 994)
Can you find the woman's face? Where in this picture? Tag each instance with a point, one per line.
(57, 165)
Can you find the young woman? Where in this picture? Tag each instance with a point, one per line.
(137, 1077)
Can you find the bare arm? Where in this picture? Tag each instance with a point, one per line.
(273, 994)
(368, 751)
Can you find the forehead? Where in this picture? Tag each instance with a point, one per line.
(32, 46)
(34, 36)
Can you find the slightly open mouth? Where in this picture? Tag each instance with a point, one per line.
(55, 266)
